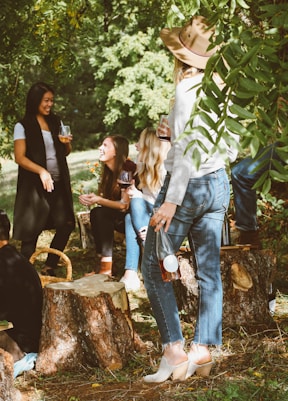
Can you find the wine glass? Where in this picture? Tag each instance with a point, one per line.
(64, 133)
(125, 179)
(163, 131)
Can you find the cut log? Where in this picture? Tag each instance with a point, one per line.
(247, 275)
(86, 236)
(85, 322)
(7, 389)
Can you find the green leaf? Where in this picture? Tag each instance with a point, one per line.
(261, 180)
(243, 4)
(266, 186)
(283, 154)
(249, 55)
(244, 94)
(234, 126)
(265, 117)
(196, 157)
(210, 104)
(241, 112)
(207, 120)
(254, 146)
(251, 85)
(280, 167)
(276, 175)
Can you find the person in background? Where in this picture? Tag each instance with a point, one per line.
(151, 174)
(112, 204)
(243, 177)
(21, 298)
(192, 203)
(43, 199)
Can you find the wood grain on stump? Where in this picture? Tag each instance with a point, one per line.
(85, 322)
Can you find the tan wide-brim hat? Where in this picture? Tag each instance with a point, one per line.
(189, 43)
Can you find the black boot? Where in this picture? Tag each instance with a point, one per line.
(249, 238)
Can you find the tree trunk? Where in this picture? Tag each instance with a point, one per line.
(86, 322)
(7, 390)
(247, 276)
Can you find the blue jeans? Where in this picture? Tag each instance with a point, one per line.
(200, 217)
(138, 217)
(243, 177)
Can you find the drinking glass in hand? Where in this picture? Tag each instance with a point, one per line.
(64, 133)
(163, 130)
(125, 179)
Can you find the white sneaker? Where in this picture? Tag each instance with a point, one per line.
(131, 281)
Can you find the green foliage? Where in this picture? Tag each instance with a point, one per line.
(272, 213)
(112, 74)
(253, 64)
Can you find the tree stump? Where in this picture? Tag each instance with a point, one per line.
(7, 389)
(85, 322)
(86, 236)
(247, 275)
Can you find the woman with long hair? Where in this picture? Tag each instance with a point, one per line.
(43, 198)
(192, 203)
(112, 203)
(151, 173)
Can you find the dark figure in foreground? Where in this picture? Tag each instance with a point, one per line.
(21, 298)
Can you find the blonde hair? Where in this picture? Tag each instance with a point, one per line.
(152, 153)
(182, 70)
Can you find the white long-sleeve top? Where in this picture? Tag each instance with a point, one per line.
(180, 165)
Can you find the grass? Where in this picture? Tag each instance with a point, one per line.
(249, 367)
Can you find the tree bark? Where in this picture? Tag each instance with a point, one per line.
(86, 322)
(247, 275)
(7, 389)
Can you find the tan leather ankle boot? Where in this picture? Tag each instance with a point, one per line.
(106, 268)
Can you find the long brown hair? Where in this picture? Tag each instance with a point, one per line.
(109, 187)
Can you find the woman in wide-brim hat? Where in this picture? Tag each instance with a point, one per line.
(191, 203)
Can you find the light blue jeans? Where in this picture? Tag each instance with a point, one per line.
(200, 217)
(243, 177)
(138, 217)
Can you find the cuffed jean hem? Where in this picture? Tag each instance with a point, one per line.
(131, 268)
(167, 345)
